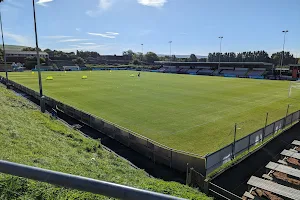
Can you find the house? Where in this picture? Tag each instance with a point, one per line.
(19, 56)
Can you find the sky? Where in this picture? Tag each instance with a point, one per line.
(193, 26)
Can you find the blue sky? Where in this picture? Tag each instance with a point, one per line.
(112, 26)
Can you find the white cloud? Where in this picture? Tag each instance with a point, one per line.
(105, 35)
(43, 2)
(105, 4)
(102, 6)
(56, 37)
(88, 43)
(19, 39)
(78, 29)
(73, 40)
(112, 33)
(153, 3)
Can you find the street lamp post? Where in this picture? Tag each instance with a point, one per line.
(42, 104)
(282, 56)
(221, 37)
(170, 42)
(4, 54)
(142, 52)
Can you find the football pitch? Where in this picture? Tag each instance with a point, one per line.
(190, 113)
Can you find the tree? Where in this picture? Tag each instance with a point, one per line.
(85, 54)
(193, 58)
(137, 56)
(150, 57)
(174, 59)
(31, 62)
(30, 49)
(48, 50)
(79, 61)
(202, 60)
(288, 58)
(249, 56)
(135, 62)
(128, 53)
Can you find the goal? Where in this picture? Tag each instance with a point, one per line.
(294, 85)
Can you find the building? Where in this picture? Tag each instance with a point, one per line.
(227, 69)
(110, 59)
(295, 70)
(19, 56)
(214, 65)
(71, 68)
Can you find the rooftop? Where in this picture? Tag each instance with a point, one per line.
(222, 63)
(24, 52)
(294, 65)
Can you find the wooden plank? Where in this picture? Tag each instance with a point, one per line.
(275, 188)
(296, 143)
(285, 169)
(290, 154)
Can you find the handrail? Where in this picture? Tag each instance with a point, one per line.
(81, 183)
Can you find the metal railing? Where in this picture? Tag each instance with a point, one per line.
(80, 183)
(229, 152)
(217, 191)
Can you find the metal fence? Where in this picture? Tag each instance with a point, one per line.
(229, 152)
(80, 183)
(158, 153)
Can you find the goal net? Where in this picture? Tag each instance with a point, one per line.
(294, 88)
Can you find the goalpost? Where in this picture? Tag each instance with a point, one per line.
(295, 85)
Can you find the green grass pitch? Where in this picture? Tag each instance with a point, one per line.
(190, 113)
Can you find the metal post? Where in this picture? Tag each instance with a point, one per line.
(221, 37)
(170, 51)
(187, 174)
(287, 112)
(233, 147)
(265, 127)
(42, 105)
(282, 56)
(171, 158)
(142, 52)
(249, 136)
(4, 54)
